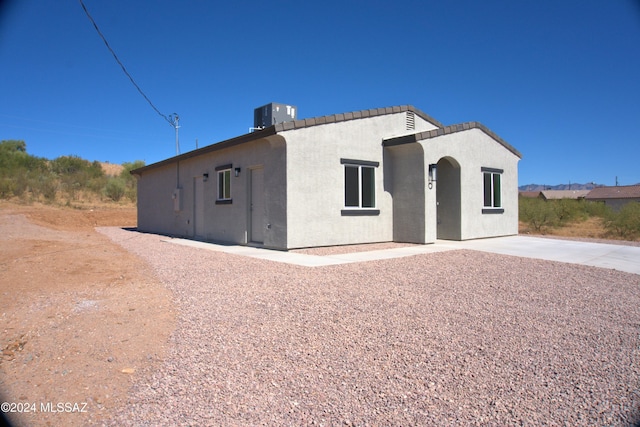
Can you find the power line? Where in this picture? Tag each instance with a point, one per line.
(173, 123)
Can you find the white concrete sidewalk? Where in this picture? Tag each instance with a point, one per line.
(618, 257)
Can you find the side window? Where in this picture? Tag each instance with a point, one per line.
(492, 185)
(224, 183)
(359, 185)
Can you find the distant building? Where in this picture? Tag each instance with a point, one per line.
(555, 194)
(563, 194)
(529, 194)
(615, 197)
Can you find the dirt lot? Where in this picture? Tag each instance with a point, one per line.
(80, 317)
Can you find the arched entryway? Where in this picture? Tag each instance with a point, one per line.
(448, 193)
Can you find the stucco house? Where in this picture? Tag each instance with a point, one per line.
(563, 194)
(381, 175)
(615, 197)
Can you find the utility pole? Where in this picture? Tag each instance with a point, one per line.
(174, 122)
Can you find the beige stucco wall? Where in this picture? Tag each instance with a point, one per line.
(155, 203)
(315, 197)
(406, 181)
(473, 149)
(222, 222)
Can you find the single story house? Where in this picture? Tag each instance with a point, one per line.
(530, 194)
(615, 197)
(381, 175)
(563, 194)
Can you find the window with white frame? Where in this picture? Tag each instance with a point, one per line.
(359, 185)
(492, 185)
(224, 183)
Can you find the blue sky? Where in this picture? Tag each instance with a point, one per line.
(559, 80)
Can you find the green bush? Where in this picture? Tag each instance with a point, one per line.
(537, 213)
(47, 185)
(17, 167)
(568, 210)
(21, 182)
(76, 173)
(131, 183)
(6, 187)
(624, 223)
(115, 189)
(24, 175)
(598, 209)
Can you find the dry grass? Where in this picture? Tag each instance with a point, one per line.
(111, 169)
(591, 228)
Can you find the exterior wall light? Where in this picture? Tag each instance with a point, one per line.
(433, 172)
(237, 172)
(205, 177)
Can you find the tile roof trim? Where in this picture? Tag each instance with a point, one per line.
(446, 130)
(353, 115)
(242, 139)
(615, 192)
(287, 126)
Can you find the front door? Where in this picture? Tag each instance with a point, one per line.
(256, 206)
(448, 200)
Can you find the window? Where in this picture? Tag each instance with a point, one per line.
(359, 187)
(224, 184)
(492, 190)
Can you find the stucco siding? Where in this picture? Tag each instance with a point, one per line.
(405, 180)
(472, 150)
(315, 196)
(195, 181)
(155, 201)
(308, 183)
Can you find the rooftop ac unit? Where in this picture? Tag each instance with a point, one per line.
(273, 113)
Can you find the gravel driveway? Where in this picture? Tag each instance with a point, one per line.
(451, 338)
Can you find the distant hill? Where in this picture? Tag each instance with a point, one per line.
(539, 187)
(111, 169)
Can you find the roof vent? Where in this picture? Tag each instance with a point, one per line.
(273, 113)
(411, 120)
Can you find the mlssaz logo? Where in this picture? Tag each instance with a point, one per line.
(63, 407)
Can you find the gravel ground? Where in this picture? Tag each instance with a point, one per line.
(451, 338)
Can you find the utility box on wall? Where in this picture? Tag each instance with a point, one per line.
(273, 113)
(177, 199)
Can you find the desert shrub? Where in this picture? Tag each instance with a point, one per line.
(115, 188)
(537, 213)
(21, 182)
(6, 187)
(24, 175)
(599, 209)
(76, 174)
(131, 185)
(17, 168)
(624, 223)
(47, 185)
(567, 210)
(96, 185)
(69, 165)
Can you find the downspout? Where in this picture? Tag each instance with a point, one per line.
(177, 174)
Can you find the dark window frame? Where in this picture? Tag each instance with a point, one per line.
(492, 190)
(359, 187)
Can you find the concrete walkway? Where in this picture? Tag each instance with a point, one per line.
(618, 257)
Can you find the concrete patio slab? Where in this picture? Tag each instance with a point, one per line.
(618, 257)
